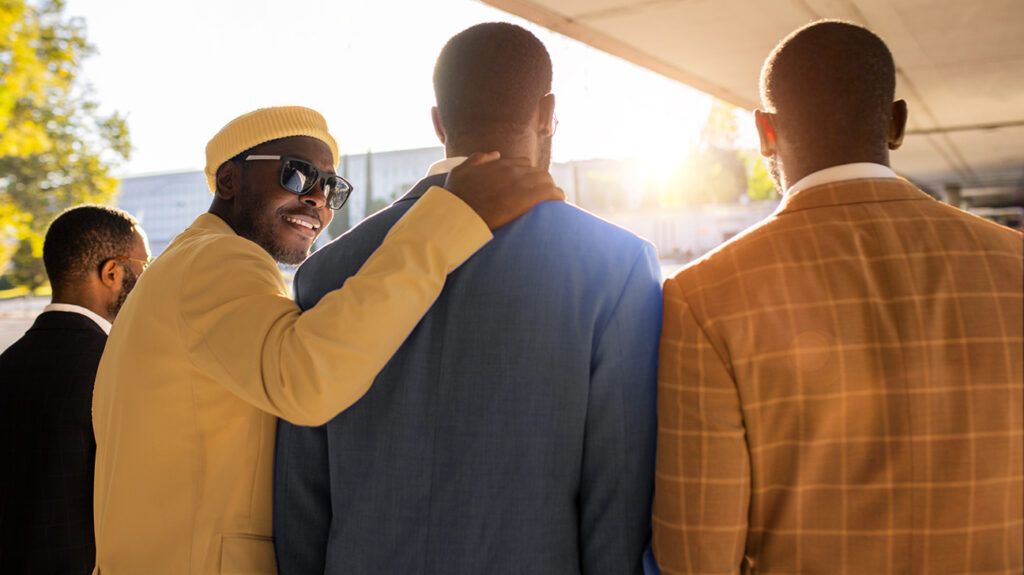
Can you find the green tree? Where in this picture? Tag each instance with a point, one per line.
(760, 185)
(728, 172)
(717, 174)
(56, 149)
(720, 129)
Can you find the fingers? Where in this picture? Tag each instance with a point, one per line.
(555, 193)
(533, 180)
(502, 189)
(513, 169)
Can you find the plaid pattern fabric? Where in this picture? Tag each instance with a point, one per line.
(840, 391)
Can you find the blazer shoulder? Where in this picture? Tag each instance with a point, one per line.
(220, 245)
(989, 231)
(369, 231)
(329, 267)
(725, 260)
(65, 320)
(568, 221)
(222, 253)
(60, 339)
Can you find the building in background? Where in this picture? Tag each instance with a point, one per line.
(165, 204)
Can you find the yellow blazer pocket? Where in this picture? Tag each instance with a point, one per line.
(243, 554)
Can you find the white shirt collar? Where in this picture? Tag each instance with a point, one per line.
(444, 166)
(100, 321)
(841, 173)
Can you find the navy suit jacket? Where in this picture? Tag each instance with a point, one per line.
(47, 447)
(513, 432)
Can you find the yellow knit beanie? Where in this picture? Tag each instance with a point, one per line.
(260, 126)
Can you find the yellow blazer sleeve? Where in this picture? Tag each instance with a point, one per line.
(243, 329)
(702, 482)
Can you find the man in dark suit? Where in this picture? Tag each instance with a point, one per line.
(93, 256)
(514, 430)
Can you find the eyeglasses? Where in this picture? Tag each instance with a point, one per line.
(301, 177)
(145, 263)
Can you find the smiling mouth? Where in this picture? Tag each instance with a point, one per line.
(303, 222)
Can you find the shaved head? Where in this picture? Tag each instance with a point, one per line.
(489, 78)
(831, 86)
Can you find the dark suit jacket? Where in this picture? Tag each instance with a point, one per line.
(47, 446)
(512, 433)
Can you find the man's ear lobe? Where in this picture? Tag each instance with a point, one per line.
(435, 116)
(766, 134)
(546, 121)
(898, 124)
(111, 274)
(228, 180)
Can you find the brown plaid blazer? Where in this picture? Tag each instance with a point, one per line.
(840, 391)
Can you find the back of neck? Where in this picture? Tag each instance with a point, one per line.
(509, 148)
(81, 298)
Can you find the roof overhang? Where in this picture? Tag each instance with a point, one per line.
(960, 66)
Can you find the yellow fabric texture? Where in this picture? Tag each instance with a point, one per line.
(261, 126)
(208, 350)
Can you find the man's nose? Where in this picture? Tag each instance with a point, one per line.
(315, 197)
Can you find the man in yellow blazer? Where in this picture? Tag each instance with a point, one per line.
(209, 348)
(840, 387)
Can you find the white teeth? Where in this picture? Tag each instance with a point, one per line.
(301, 222)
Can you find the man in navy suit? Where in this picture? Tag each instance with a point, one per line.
(514, 431)
(93, 255)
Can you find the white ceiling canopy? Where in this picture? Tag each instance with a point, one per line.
(960, 66)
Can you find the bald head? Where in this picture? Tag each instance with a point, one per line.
(830, 89)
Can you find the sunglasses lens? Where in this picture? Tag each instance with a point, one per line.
(337, 191)
(292, 179)
(297, 177)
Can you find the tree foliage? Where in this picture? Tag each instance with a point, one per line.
(760, 185)
(714, 171)
(56, 149)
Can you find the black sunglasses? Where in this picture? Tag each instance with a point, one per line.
(301, 177)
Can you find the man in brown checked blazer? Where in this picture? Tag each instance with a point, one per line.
(840, 387)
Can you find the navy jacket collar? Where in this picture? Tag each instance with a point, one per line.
(423, 185)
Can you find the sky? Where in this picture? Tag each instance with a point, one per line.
(181, 70)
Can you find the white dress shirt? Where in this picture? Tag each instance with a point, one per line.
(445, 165)
(857, 171)
(100, 321)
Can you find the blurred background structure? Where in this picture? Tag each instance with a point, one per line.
(960, 67)
(654, 101)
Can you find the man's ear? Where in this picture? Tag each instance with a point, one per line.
(111, 274)
(766, 132)
(228, 179)
(435, 116)
(898, 124)
(546, 122)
